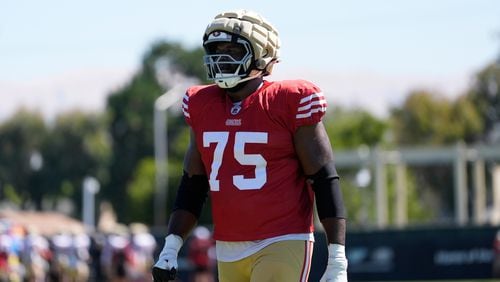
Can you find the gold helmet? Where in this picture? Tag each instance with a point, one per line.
(257, 38)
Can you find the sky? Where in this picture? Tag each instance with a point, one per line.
(57, 56)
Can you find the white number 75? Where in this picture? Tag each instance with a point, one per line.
(240, 139)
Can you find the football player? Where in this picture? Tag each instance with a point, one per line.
(260, 149)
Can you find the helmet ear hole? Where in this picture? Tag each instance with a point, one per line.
(260, 64)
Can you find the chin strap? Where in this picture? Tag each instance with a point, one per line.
(241, 83)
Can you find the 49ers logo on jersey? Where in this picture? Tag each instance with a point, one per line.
(235, 109)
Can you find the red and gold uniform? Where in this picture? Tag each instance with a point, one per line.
(257, 186)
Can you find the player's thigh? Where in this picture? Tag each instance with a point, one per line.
(237, 271)
(283, 261)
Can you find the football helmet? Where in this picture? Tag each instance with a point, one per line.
(253, 44)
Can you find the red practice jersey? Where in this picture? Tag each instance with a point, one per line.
(257, 187)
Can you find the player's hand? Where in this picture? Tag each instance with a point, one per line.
(336, 269)
(162, 275)
(165, 269)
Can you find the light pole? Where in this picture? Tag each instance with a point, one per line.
(162, 104)
(90, 187)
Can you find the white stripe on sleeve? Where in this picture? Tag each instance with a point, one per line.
(311, 104)
(185, 107)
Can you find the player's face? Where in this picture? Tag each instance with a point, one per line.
(230, 54)
(236, 51)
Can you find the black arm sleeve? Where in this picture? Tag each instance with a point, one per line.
(192, 193)
(326, 187)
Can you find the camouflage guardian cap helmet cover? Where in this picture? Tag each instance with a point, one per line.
(257, 37)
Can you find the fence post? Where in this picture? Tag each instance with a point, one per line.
(460, 185)
(380, 189)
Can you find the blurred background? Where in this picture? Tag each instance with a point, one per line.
(92, 140)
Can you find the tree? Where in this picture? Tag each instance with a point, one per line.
(77, 146)
(348, 129)
(130, 110)
(140, 192)
(427, 118)
(431, 119)
(21, 139)
(40, 162)
(485, 96)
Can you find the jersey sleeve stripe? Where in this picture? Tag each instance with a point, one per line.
(314, 103)
(185, 106)
(312, 111)
(310, 97)
(310, 105)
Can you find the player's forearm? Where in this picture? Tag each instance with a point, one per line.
(188, 204)
(335, 229)
(181, 223)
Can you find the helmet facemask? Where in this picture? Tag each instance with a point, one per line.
(228, 59)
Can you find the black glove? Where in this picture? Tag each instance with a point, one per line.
(163, 275)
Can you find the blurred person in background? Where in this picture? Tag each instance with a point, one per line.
(81, 245)
(4, 256)
(71, 256)
(201, 255)
(262, 151)
(115, 256)
(141, 248)
(62, 256)
(12, 241)
(496, 258)
(10, 265)
(35, 255)
(97, 241)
